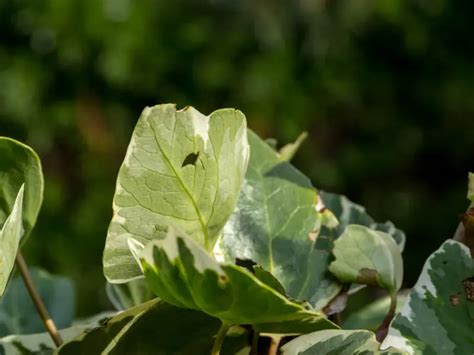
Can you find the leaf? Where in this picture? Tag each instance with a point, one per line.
(19, 165)
(371, 316)
(154, 328)
(180, 272)
(340, 342)
(438, 316)
(273, 222)
(18, 315)
(182, 169)
(470, 189)
(10, 237)
(288, 151)
(127, 295)
(367, 257)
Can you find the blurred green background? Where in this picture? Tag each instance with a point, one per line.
(384, 88)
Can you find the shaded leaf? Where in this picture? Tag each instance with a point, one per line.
(154, 328)
(368, 257)
(288, 151)
(182, 169)
(18, 315)
(340, 342)
(180, 272)
(470, 188)
(130, 294)
(273, 225)
(19, 165)
(371, 316)
(438, 316)
(10, 237)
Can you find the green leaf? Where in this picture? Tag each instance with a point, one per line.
(130, 294)
(10, 237)
(180, 272)
(348, 212)
(288, 151)
(438, 316)
(340, 342)
(367, 257)
(155, 328)
(182, 169)
(470, 189)
(18, 315)
(273, 225)
(371, 316)
(19, 165)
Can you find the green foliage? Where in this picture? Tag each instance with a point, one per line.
(182, 169)
(185, 183)
(368, 257)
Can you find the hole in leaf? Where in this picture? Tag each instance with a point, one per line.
(190, 159)
(454, 299)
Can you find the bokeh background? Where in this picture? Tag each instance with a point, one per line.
(384, 88)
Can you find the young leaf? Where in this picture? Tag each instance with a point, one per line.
(341, 342)
(19, 165)
(10, 236)
(438, 316)
(367, 257)
(182, 169)
(273, 225)
(18, 314)
(155, 328)
(288, 151)
(180, 272)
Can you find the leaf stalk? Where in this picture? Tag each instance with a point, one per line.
(216, 348)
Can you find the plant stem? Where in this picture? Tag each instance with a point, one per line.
(38, 302)
(382, 330)
(254, 349)
(274, 344)
(216, 348)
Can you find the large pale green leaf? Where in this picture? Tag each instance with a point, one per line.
(155, 328)
(438, 316)
(368, 257)
(274, 222)
(19, 165)
(180, 272)
(182, 169)
(17, 312)
(10, 236)
(340, 342)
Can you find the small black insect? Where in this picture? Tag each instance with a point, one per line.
(191, 159)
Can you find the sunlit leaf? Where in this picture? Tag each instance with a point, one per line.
(10, 237)
(288, 151)
(180, 272)
(438, 316)
(20, 165)
(18, 315)
(368, 257)
(182, 169)
(274, 225)
(340, 342)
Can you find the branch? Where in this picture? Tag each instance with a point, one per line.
(38, 302)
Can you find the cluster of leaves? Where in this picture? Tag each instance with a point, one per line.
(219, 245)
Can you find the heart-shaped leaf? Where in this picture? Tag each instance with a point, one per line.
(180, 272)
(340, 342)
(182, 169)
(438, 316)
(19, 165)
(367, 257)
(274, 222)
(10, 236)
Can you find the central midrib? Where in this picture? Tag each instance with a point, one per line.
(185, 189)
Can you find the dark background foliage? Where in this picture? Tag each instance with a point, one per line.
(384, 88)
